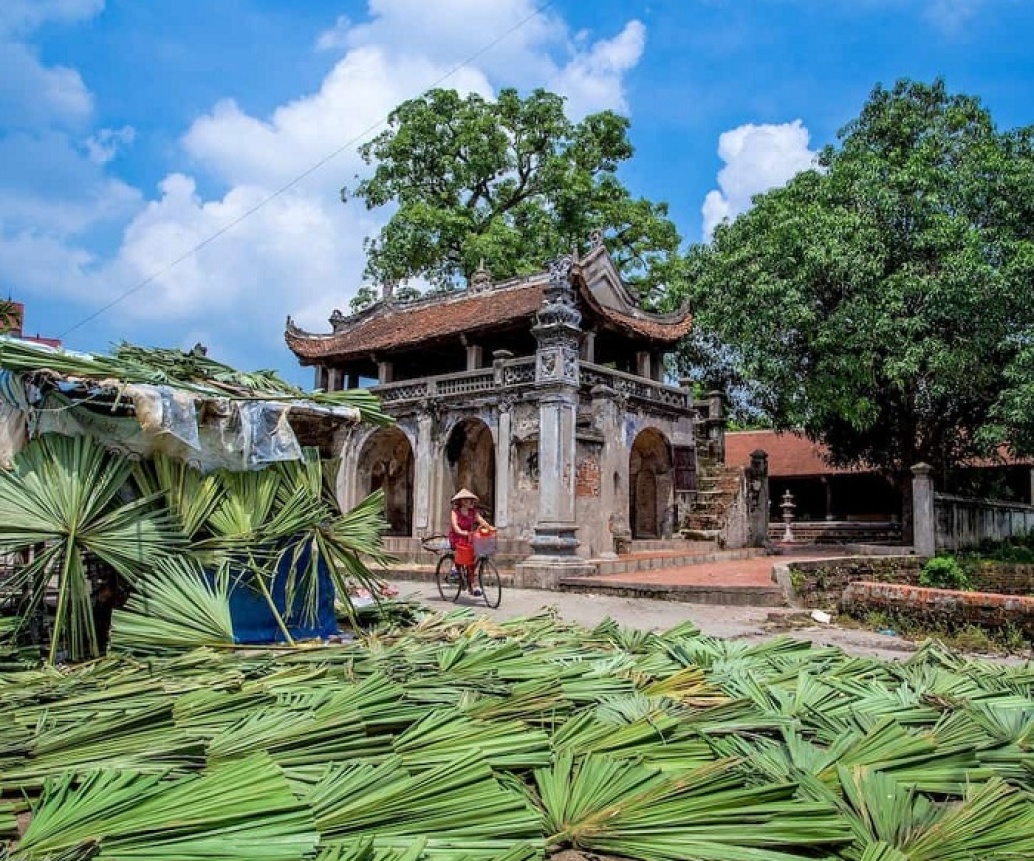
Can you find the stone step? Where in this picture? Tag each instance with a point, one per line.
(741, 596)
(635, 562)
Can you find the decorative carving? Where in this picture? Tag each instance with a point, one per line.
(481, 280)
(548, 365)
(559, 308)
(337, 319)
(596, 238)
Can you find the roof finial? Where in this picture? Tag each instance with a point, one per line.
(481, 279)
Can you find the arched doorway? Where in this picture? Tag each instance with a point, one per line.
(470, 459)
(386, 463)
(649, 485)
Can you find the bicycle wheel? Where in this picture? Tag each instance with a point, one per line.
(449, 583)
(491, 584)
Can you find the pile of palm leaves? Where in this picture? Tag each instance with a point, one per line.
(190, 371)
(458, 739)
(181, 541)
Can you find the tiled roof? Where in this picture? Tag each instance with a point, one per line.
(789, 454)
(793, 455)
(387, 326)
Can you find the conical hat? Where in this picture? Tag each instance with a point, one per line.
(463, 493)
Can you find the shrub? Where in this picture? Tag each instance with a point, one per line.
(944, 572)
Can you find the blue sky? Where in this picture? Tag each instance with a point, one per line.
(134, 131)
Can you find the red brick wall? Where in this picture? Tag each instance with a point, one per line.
(942, 607)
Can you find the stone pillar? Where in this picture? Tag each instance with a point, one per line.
(474, 352)
(423, 473)
(320, 378)
(924, 522)
(502, 463)
(827, 486)
(608, 409)
(757, 496)
(642, 363)
(557, 332)
(385, 373)
(589, 350)
(334, 379)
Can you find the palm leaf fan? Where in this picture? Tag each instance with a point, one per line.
(175, 607)
(64, 495)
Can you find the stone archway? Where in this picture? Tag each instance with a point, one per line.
(386, 463)
(470, 461)
(649, 485)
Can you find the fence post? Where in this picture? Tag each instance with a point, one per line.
(924, 524)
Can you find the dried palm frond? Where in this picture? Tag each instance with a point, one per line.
(242, 810)
(63, 495)
(175, 607)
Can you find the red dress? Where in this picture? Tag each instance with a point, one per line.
(466, 522)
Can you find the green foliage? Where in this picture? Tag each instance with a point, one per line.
(944, 572)
(882, 300)
(61, 501)
(510, 182)
(364, 297)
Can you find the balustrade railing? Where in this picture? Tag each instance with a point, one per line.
(520, 373)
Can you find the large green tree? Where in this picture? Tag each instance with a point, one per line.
(511, 183)
(879, 301)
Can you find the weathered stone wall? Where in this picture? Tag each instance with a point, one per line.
(940, 608)
(822, 583)
(1005, 578)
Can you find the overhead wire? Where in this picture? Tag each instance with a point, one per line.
(208, 240)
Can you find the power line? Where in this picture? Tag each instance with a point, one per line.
(308, 172)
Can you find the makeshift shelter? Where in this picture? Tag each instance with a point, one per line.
(174, 407)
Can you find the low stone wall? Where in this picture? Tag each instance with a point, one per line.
(821, 583)
(940, 608)
(1005, 578)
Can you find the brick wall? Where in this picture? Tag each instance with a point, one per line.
(942, 608)
(821, 583)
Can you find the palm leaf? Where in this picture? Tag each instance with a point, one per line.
(175, 607)
(63, 494)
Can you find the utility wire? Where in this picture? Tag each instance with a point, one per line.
(208, 240)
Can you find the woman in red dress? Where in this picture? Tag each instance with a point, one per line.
(465, 522)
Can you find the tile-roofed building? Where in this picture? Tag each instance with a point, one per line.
(826, 492)
(544, 395)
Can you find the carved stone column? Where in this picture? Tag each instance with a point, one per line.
(503, 470)
(557, 331)
(424, 468)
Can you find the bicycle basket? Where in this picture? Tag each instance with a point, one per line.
(485, 545)
(436, 543)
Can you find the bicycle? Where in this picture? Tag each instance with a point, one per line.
(452, 579)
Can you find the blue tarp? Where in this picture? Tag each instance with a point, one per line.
(254, 622)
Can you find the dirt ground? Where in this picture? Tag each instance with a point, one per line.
(727, 622)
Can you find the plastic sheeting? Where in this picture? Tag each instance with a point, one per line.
(254, 622)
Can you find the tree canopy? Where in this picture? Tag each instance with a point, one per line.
(510, 183)
(882, 302)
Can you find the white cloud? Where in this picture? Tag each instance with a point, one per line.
(23, 16)
(336, 38)
(757, 158)
(950, 15)
(103, 146)
(593, 80)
